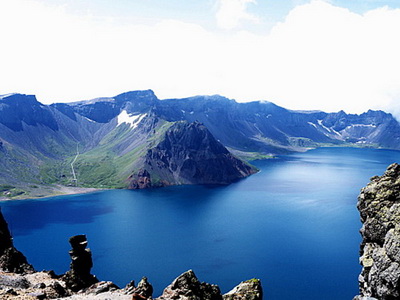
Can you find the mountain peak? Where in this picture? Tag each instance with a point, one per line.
(19, 99)
(143, 95)
(189, 154)
(17, 109)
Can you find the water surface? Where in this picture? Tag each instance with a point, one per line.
(294, 225)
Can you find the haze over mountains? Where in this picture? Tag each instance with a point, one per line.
(136, 140)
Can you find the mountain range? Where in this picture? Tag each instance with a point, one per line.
(135, 140)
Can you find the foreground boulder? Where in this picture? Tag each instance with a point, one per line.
(11, 260)
(246, 290)
(379, 206)
(79, 277)
(188, 287)
(144, 290)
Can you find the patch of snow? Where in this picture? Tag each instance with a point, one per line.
(132, 120)
(268, 116)
(183, 111)
(312, 124)
(363, 125)
(90, 120)
(335, 132)
(192, 112)
(7, 95)
(323, 126)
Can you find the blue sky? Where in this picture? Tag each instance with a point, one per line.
(300, 54)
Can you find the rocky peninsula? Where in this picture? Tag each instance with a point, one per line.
(19, 280)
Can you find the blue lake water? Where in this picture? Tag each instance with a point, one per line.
(294, 225)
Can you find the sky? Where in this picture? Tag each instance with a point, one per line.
(325, 55)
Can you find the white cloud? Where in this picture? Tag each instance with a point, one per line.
(320, 57)
(231, 13)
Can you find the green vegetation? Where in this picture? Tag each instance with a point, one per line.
(5, 187)
(10, 191)
(253, 280)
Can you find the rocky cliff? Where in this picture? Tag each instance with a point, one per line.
(18, 280)
(189, 154)
(379, 206)
(11, 260)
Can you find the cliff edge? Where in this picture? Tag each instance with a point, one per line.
(379, 206)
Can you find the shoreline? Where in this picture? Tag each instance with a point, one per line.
(48, 191)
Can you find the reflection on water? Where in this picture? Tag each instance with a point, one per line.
(293, 224)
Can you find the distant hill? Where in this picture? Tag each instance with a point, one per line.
(135, 140)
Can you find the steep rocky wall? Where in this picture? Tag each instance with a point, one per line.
(11, 260)
(379, 206)
(189, 154)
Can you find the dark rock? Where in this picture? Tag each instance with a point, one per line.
(5, 235)
(142, 180)
(79, 277)
(246, 290)
(130, 287)
(379, 206)
(144, 289)
(52, 274)
(189, 154)
(55, 290)
(188, 287)
(11, 292)
(39, 286)
(11, 260)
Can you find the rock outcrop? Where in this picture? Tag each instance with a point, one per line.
(79, 277)
(188, 287)
(379, 206)
(246, 290)
(141, 180)
(11, 260)
(189, 154)
(143, 291)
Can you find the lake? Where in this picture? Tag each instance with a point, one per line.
(294, 225)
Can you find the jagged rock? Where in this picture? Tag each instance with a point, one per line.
(144, 289)
(379, 206)
(246, 290)
(11, 260)
(55, 290)
(13, 281)
(130, 287)
(79, 277)
(142, 180)
(189, 154)
(39, 286)
(188, 287)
